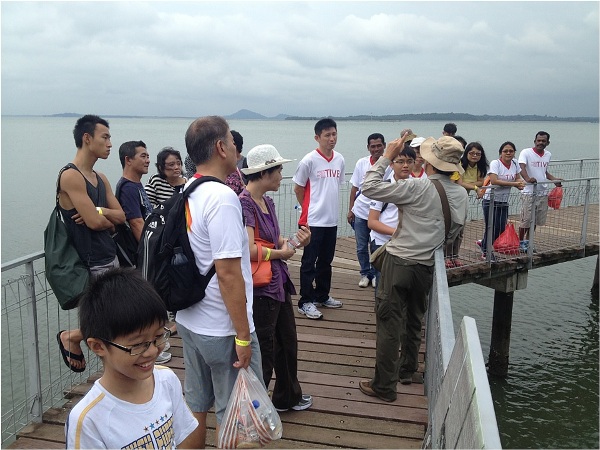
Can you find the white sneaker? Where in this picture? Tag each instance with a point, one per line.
(374, 282)
(167, 347)
(364, 282)
(330, 303)
(305, 402)
(310, 311)
(164, 357)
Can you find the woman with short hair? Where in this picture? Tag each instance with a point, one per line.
(272, 308)
(169, 179)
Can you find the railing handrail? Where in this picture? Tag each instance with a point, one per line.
(23, 260)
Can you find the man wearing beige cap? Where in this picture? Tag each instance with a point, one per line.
(407, 270)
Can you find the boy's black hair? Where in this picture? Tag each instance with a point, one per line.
(117, 303)
(324, 124)
(409, 152)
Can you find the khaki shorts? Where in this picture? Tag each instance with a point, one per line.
(541, 210)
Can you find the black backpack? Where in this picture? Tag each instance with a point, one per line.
(165, 255)
(127, 244)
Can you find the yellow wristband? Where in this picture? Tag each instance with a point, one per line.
(99, 210)
(268, 257)
(242, 343)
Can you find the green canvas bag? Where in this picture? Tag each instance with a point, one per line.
(66, 273)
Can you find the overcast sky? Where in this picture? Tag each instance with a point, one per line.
(301, 58)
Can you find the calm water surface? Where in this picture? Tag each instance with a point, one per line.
(550, 398)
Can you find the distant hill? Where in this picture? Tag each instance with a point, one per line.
(245, 114)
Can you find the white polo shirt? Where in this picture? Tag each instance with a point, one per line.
(321, 179)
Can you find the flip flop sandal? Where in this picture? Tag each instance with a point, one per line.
(66, 355)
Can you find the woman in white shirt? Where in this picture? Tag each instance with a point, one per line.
(503, 172)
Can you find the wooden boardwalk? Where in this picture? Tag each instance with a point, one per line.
(335, 353)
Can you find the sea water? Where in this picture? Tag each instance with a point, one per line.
(550, 397)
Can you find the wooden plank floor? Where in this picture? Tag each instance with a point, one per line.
(335, 353)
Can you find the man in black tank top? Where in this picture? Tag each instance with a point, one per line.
(91, 211)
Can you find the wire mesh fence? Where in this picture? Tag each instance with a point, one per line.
(34, 377)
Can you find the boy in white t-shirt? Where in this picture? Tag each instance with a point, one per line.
(534, 169)
(317, 187)
(135, 403)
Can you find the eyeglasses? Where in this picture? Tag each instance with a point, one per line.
(474, 153)
(404, 161)
(508, 151)
(173, 165)
(138, 349)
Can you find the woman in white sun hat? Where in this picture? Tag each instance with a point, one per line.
(272, 307)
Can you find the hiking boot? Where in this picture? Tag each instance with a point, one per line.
(164, 357)
(364, 281)
(310, 311)
(406, 378)
(365, 388)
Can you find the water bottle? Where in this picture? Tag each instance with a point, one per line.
(293, 242)
(266, 416)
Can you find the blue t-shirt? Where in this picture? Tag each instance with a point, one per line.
(133, 199)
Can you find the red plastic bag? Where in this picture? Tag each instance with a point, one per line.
(250, 419)
(508, 241)
(555, 197)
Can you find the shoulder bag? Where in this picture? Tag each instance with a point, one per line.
(66, 273)
(261, 270)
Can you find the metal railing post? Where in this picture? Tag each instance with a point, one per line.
(586, 207)
(489, 245)
(33, 352)
(532, 228)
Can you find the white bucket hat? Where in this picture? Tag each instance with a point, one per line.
(263, 157)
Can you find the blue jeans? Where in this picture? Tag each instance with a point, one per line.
(363, 238)
(500, 217)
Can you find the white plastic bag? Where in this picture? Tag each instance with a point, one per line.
(250, 419)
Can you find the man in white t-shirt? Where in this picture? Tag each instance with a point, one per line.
(218, 332)
(358, 209)
(534, 169)
(317, 187)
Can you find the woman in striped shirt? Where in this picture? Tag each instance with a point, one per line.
(162, 186)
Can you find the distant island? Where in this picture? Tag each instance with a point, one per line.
(455, 117)
(245, 114)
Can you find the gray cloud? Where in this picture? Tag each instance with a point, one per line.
(305, 58)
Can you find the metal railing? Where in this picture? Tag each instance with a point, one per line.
(34, 377)
(461, 411)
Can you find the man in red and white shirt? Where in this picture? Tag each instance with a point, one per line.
(534, 169)
(317, 187)
(358, 209)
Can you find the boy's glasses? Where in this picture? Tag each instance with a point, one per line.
(403, 162)
(138, 349)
